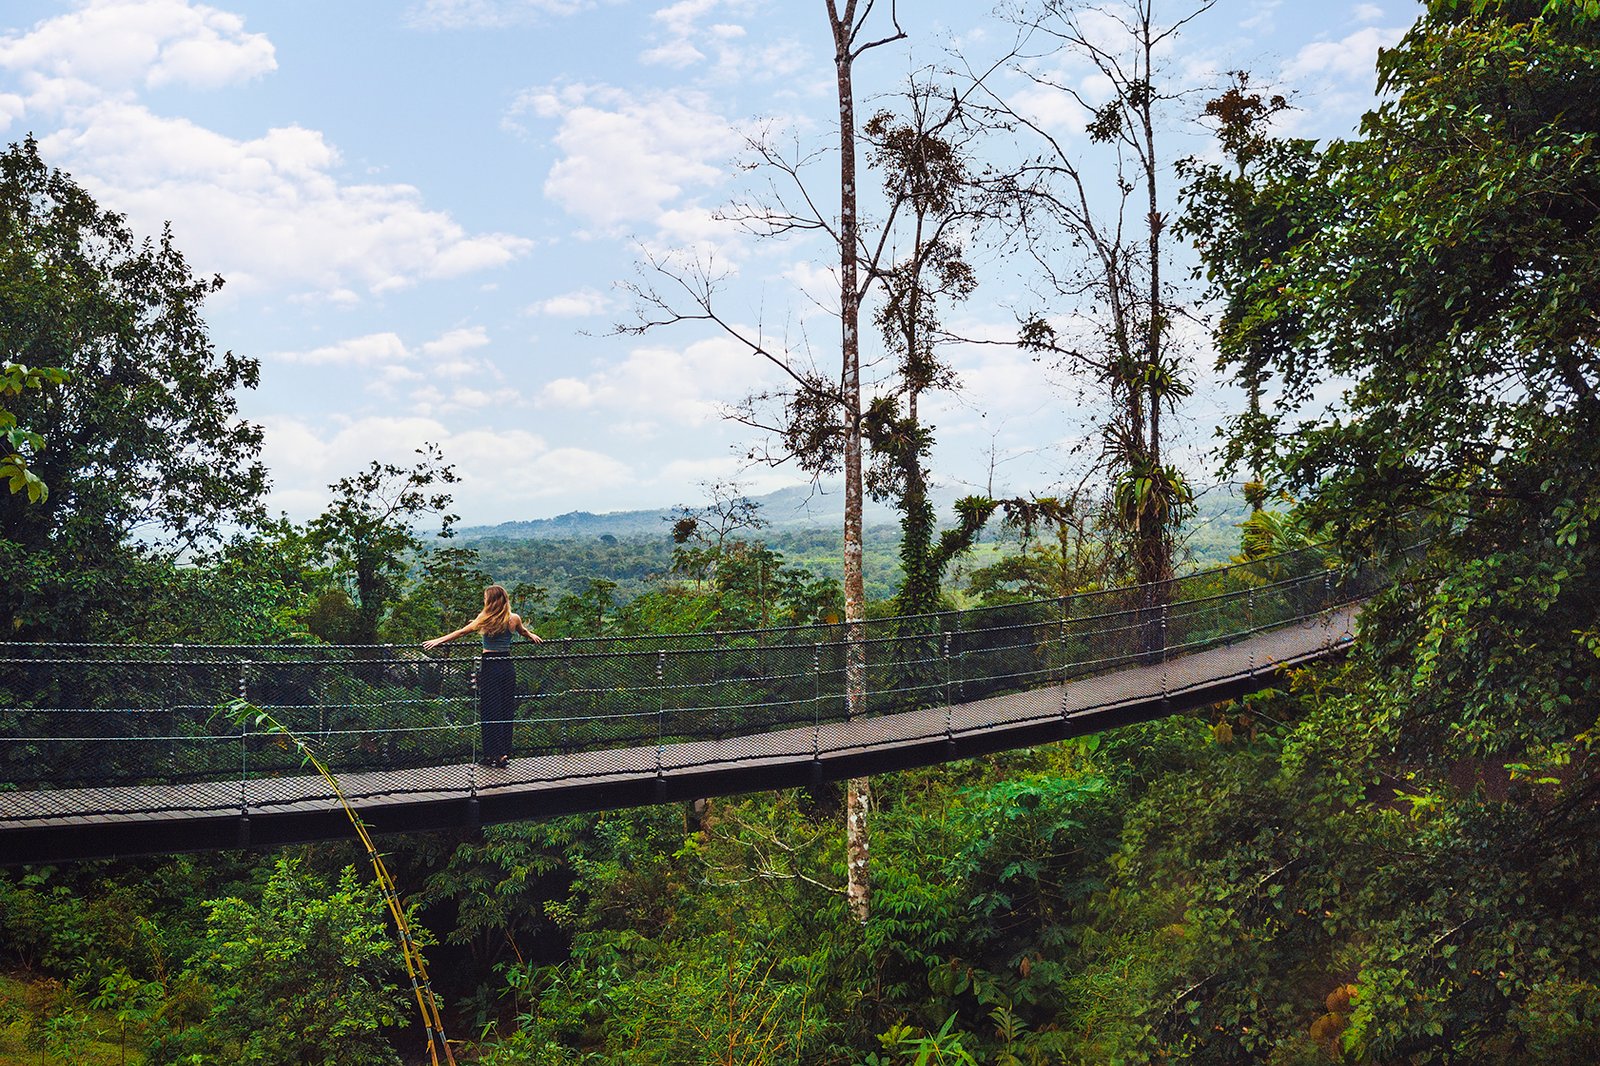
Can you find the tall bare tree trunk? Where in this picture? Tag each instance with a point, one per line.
(1159, 550)
(846, 19)
(858, 792)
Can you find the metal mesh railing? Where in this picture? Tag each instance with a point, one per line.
(140, 723)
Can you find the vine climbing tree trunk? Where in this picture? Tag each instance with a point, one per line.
(1129, 349)
(846, 27)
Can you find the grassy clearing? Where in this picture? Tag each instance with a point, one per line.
(80, 1036)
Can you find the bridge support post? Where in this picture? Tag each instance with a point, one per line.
(816, 711)
(949, 704)
(1164, 609)
(661, 713)
(1250, 624)
(244, 769)
(949, 694)
(959, 686)
(244, 755)
(1061, 635)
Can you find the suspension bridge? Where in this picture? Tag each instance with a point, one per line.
(115, 750)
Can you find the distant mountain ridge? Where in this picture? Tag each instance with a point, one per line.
(1212, 534)
(796, 507)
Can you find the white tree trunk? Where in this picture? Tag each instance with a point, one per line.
(858, 793)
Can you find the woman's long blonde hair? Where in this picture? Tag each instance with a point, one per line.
(496, 614)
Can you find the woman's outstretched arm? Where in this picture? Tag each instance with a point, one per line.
(522, 627)
(429, 645)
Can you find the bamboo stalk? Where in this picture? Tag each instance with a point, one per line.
(411, 952)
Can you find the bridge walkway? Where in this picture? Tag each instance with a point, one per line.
(56, 824)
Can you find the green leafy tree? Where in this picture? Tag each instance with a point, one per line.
(14, 440)
(260, 586)
(1244, 217)
(307, 975)
(130, 1001)
(701, 535)
(267, 580)
(505, 888)
(815, 418)
(1439, 269)
(143, 433)
(56, 1025)
(922, 158)
(447, 591)
(528, 598)
(1445, 267)
(368, 530)
(720, 946)
(738, 583)
(1068, 558)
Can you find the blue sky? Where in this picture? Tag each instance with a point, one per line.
(423, 211)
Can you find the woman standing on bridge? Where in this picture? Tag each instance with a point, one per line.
(497, 678)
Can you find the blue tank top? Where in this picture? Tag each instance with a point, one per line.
(497, 641)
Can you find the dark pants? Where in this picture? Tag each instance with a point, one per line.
(497, 701)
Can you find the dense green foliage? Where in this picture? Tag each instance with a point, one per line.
(367, 531)
(1447, 263)
(17, 442)
(142, 435)
(286, 966)
(564, 566)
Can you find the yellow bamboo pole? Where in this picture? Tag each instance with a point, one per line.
(411, 952)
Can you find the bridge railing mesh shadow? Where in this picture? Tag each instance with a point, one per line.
(141, 723)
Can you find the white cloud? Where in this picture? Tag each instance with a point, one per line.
(117, 44)
(627, 158)
(993, 377)
(504, 473)
(1352, 58)
(573, 304)
(455, 342)
(754, 480)
(681, 17)
(465, 368)
(819, 283)
(433, 402)
(270, 210)
(1367, 13)
(1039, 88)
(676, 53)
(395, 374)
(697, 227)
(1052, 109)
(568, 393)
(300, 453)
(665, 389)
(372, 349)
(690, 34)
(388, 363)
(12, 107)
(1261, 18)
(391, 357)
(487, 14)
(1104, 26)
